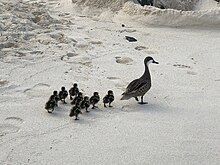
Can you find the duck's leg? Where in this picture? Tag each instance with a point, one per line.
(136, 98)
(64, 101)
(93, 106)
(87, 109)
(76, 117)
(52, 109)
(105, 105)
(142, 101)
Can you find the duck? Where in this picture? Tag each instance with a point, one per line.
(78, 99)
(52, 102)
(75, 111)
(139, 87)
(63, 94)
(109, 98)
(55, 97)
(50, 105)
(74, 91)
(85, 103)
(94, 99)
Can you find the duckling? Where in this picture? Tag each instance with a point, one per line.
(73, 91)
(49, 106)
(78, 99)
(75, 111)
(94, 99)
(55, 97)
(109, 98)
(52, 102)
(139, 87)
(85, 103)
(63, 94)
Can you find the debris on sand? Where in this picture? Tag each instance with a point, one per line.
(131, 39)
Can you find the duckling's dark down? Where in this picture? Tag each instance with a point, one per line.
(94, 99)
(85, 103)
(109, 98)
(73, 91)
(52, 102)
(63, 94)
(75, 111)
(78, 99)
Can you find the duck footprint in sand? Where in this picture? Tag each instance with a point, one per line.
(11, 125)
(123, 60)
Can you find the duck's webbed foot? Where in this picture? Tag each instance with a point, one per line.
(63, 101)
(94, 107)
(142, 101)
(76, 117)
(49, 111)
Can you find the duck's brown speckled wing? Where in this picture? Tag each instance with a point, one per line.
(134, 86)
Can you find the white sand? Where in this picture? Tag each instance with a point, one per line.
(180, 125)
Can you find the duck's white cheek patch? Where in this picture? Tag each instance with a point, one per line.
(149, 62)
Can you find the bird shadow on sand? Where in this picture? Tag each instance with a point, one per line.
(85, 118)
(58, 112)
(94, 115)
(80, 121)
(100, 113)
(63, 110)
(150, 107)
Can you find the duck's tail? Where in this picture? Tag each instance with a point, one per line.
(125, 97)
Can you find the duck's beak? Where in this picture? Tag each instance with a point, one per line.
(155, 62)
